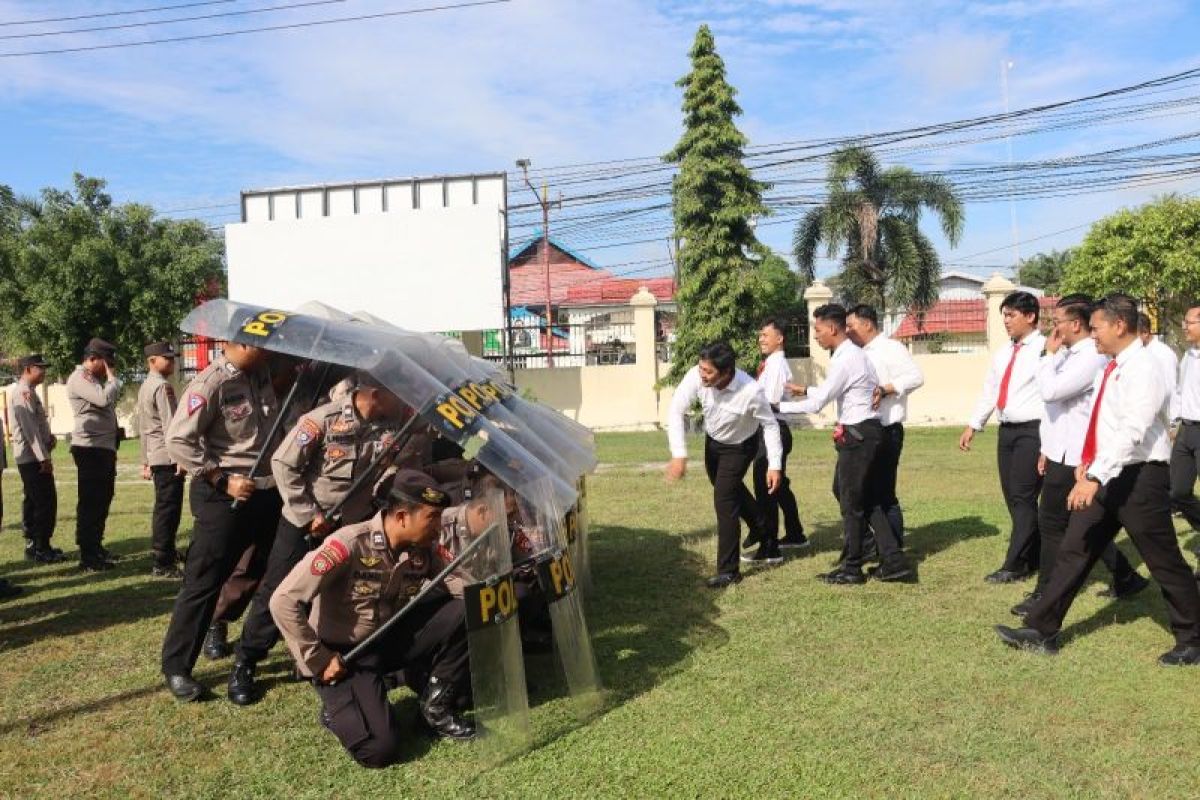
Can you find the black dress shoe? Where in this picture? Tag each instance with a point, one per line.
(843, 577)
(242, 691)
(795, 541)
(752, 538)
(723, 579)
(96, 564)
(1028, 639)
(45, 555)
(767, 555)
(439, 710)
(185, 688)
(898, 571)
(1181, 655)
(1025, 606)
(215, 644)
(1008, 575)
(1126, 589)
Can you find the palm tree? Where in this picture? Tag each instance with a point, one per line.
(873, 216)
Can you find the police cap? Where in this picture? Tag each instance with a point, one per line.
(163, 349)
(413, 486)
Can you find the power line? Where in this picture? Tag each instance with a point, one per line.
(263, 29)
(114, 13)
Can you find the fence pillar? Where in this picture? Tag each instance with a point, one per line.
(645, 349)
(816, 295)
(994, 291)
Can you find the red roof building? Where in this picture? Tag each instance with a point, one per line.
(953, 318)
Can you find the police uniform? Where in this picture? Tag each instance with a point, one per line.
(353, 584)
(217, 430)
(156, 404)
(32, 443)
(314, 468)
(94, 449)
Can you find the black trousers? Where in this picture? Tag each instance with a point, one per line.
(1137, 499)
(259, 633)
(726, 465)
(219, 536)
(1018, 451)
(783, 500)
(884, 477)
(1185, 455)
(168, 508)
(39, 508)
(856, 463)
(430, 640)
(97, 467)
(1053, 518)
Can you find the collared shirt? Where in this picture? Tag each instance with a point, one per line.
(731, 415)
(851, 381)
(895, 365)
(1024, 403)
(1185, 403)
(29, 427)
(1065, 381)
(155, 407)
(1168, 362)
(773, 377)
(95, 407)
(1132, 424)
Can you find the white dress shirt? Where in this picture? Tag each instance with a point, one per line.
(1185, 403)
(775, 374)
(1024, 401)
(1168, 362)
(1066, 381)
(895, 365)
(851, 381)
(731, 415)
(1132, 424)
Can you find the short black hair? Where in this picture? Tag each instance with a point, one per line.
(864, 311)
(774, 322)
(1144, 324)
(832, 312)
(1119, 306)
(720, 355)
(1021, 302)
(1078, 307)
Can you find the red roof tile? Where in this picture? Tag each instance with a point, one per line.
(619, 290)
(953, 317)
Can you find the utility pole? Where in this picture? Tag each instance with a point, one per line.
(543, 200)
(1005, 66)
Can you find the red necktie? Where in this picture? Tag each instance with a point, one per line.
(1089, 441)
(1002, 400)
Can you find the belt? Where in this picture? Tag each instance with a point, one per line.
(1020, 424)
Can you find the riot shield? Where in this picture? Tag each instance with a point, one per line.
(493, 630)
(577, 536)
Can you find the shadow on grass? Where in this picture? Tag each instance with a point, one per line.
(929, 540)
(42, 722)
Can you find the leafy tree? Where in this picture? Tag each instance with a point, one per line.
(722, 265)
(1045, 270)
(872, 215)
(1151, 252)
(77, 266)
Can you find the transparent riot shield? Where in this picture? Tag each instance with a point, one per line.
(493, 630)
(576, 525)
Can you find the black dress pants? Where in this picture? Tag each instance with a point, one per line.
(259, 633)
(220, 535)
(726, 465)
(39, 508)
(852, 479)
(783, 500)
(168, 508)
(1185, 456)
(885, 475)
(1053, 518)
(430, 640)
(1138, 499)
(97, 468)
(1018, 451)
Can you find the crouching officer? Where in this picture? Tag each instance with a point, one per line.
(359, 578)
(314, 468)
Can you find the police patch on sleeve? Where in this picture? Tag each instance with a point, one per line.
(195, 402)
(308, 432)
(328, 557)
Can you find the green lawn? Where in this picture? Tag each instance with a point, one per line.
(780, 687)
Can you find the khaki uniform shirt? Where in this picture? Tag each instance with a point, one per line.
(354, 583)
(155, 407)
(222, 422)
(30, 428)
(319, 459)
(95, 407)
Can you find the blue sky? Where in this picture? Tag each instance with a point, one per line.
(561, 81)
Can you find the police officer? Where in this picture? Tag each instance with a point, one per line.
(314, 468)
(156, 405)
(218, 429)
(360, 577)
(32, 444)
(92, 391)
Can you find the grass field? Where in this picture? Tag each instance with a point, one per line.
(779, 687)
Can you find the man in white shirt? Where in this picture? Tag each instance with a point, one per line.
(899, 376)
(851, 381)
(1066, 376)
(734, 408)
(773, 376)
(1122, 480)
(1011, 391)
(1167, 361)
(1185, 407)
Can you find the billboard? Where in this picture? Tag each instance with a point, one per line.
(426, 254)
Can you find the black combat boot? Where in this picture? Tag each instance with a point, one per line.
(438, 709)
(216, 646)
(242, 691)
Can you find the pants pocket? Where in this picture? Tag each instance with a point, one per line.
(342, 716)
